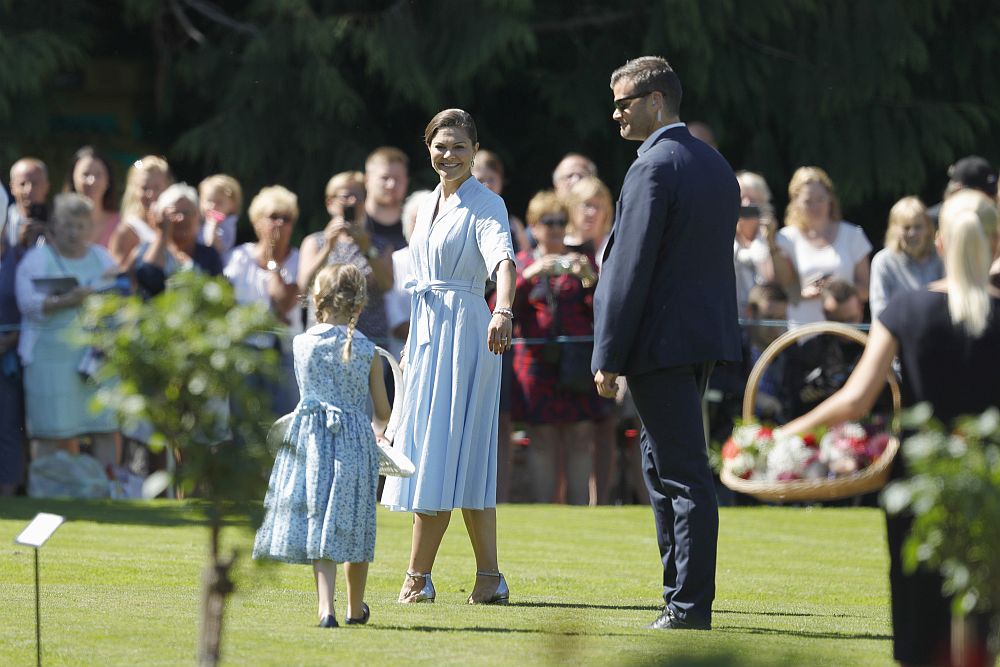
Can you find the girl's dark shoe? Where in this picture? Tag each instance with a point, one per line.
(365, 615)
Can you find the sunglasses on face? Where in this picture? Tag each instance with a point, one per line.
(623, 103)
(553, 221)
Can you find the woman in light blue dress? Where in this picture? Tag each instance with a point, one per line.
(57, 396)
(448, 426)
(320, 503)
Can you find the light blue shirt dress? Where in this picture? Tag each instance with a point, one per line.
(451, 400)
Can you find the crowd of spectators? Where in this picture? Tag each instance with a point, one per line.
(811, 266)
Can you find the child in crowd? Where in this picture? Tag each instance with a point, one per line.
(221, 200)
(320, 503)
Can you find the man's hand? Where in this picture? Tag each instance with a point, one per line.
(606, 383)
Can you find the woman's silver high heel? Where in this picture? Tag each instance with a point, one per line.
(425, 594)
(502, 594)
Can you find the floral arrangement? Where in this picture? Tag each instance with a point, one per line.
(754, 452)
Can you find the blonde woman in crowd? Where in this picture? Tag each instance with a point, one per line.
(591, 214)
(220, 200)
(757, 257)
(90, 175)
(265, 271)
(57, 396)
(822, 247)
(908, 261)
(555, 292)
(147, 178)
(947, 337)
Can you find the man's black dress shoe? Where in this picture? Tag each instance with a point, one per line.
(328, 622)
(668, 621)
(365, 615)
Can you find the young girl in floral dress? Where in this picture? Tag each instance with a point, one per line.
(320, 503)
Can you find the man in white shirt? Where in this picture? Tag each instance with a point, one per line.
(29, 184)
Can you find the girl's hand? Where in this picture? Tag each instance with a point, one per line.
(499, 334)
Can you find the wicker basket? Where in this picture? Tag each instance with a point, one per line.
(872, 478)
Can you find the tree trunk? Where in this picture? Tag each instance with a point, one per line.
(216, 586)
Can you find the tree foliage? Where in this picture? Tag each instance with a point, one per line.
(953, 491)
(884, 95)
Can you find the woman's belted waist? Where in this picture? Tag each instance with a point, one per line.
(422, 288)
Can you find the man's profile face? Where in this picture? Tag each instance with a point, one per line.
(29, 184)
(632, 112)
(386, 183)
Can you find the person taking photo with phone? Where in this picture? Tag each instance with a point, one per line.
(345, 240)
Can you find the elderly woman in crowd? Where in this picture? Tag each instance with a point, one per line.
(57, 397)
(90, 174)
(176, 246)
(12, 440)
(345, 240)
(266, 272)
(908, 261)
(591, 215)
(757, 257)
(555, 298)
(821, 245)
(147, 178)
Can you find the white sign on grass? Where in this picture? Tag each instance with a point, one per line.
(39, 530)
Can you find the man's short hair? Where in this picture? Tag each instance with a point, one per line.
(770, 292)
(387, 154)
(29, 162)
(650, 73)
(592, 168)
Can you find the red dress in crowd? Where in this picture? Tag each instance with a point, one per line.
(538, 398)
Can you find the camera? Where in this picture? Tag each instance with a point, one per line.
(563, 265)
(750, 211)
(38, 212)
(349, 213)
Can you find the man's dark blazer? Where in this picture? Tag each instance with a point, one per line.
(667, 292)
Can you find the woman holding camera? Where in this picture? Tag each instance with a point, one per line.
(57, 396)
(555, 292)
(345, 240)
(176, 246)
(757, 257)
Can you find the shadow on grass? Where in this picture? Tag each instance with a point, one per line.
(805, 634)
(776, 613)
(583, 605)
(139, 512)
(496, 630)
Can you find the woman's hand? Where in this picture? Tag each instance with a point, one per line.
(582, 269)
(500, 333)
(334, 229)
(545, 265)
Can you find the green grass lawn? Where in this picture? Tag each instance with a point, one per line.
(120, 586)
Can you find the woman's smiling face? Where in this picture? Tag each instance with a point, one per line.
(451, 152)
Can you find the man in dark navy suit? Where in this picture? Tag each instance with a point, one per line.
(665, 312)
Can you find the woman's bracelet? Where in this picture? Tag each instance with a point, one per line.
(504, 312)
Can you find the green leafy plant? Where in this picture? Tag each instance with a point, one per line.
(953, 491)
(179, 362)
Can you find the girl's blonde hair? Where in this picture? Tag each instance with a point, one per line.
(802, 177)
(132, 198)
(907, 210)
(340, 289)
(225, 184)
(968, 226)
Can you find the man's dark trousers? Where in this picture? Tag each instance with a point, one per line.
(680, 483)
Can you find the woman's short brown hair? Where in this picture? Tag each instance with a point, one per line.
(451, 118)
